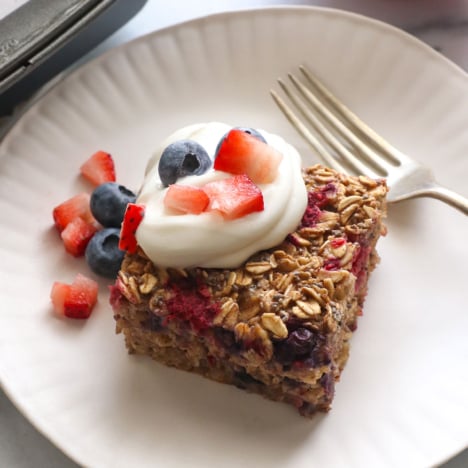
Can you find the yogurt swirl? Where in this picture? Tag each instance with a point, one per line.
(208, 240)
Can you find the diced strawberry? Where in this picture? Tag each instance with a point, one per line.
(99, 168)
(75, 300)
(242, 153)
(186, 199)
(74, 207)
(234, 197)
(132, 219)
(76, 236)
(58, 294)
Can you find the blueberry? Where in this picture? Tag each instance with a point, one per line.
(250, 131)
(182, 158)
(298, 345)
(153, 322)
(245, 381)
(108, 203)
(227, 339)
(327, 381)
(103, 254)
(301, 341)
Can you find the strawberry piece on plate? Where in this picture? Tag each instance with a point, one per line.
(132, 219)
(76, 236)
(99, 168)
(75, 300)
(74, 207)
(186, 199)
(242, 153)
(234, 197)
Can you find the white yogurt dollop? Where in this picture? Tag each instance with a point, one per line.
(208, 240)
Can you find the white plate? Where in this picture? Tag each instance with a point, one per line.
(402, 399)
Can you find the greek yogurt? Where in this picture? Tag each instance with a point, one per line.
(207, 239)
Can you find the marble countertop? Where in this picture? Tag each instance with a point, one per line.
(441, 24)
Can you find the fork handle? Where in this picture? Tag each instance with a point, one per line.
(447, 196)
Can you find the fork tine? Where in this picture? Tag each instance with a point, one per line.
(355, 164)
(407, 178)
(308, 136)
(378, 165)
(367, 133)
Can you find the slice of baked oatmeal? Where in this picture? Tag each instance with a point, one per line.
(278, 325)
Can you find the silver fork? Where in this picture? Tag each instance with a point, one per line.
(347, 144)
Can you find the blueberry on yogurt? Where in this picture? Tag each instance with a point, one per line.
(182, 158)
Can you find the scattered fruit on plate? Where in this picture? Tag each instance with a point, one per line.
(75, 300)
(89, 225)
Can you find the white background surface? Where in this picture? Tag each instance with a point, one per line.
(441, 24)
(7, 6)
